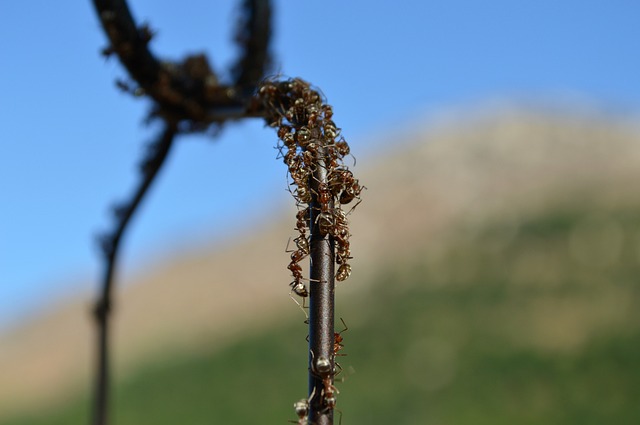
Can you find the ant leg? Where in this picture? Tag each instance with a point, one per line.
(354, 207)
(286, 249)
(338, 369)
(302, 306)
(340, 415)
(345, 326)
(313, 393)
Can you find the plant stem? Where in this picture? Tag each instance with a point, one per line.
(321, 301)
(158, 152)
(189, 90)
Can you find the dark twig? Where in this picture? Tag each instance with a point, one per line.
(150, 167)
(254, 35)
(187, 96)
(321, 305)
(189, 90)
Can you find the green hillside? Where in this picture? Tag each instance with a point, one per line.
(529, 321)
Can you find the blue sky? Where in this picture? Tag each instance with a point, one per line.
(70, 141)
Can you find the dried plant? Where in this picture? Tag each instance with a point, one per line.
(189, 97)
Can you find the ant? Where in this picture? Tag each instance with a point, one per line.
(344, 186)
(324, 196)
(340, 231)
(296, 256)
(314, 116)
(299, 289)
(309, 158)
(337, 340)
(344, 271)
(303, 136)
(297, 286)
(302, 220)
(323, 370)
(342, 147)
(330, 130)
(303, 195)
(302, 410)
(283, 132)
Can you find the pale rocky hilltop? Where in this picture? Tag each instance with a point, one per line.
(475, 167)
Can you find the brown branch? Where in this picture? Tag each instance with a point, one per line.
(321, 304)
(254, 35)
(150, 167)
(187, 96)
(189, 90)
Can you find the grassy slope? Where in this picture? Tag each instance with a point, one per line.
(531, 323)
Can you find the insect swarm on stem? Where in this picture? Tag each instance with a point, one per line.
(188, 97)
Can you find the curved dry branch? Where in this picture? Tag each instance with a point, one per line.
(187, 96)
(254, 35)
(189, 90)
(150, 166)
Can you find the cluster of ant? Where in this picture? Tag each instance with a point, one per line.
(311, 139)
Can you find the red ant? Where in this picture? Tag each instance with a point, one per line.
(325, 218)
(344, 271)
(284, 131)
(330, 130)
(324, 196)
(299, 289)
(302, 410)
(296, 271)
(342, 147)
(302, 222)
(314, 115)
(351, 192)
(322, 369)
(337, 340)
(302, 243)
(340, 232)
(342, 252)
(344, 186)
(303, 135)
(296, 256)
(302, 195)
(309, 158)
(328, 112)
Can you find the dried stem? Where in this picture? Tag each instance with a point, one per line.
(150, 167)
(253, 35)
(189, 90)
(321, 303)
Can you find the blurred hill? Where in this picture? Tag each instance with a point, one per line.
(496, 243)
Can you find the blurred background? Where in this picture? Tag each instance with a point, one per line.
(497, 248)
